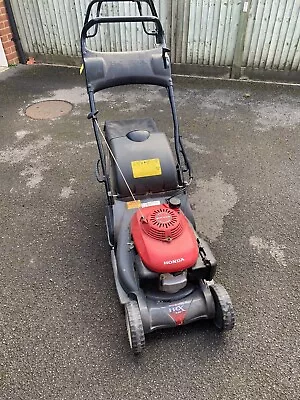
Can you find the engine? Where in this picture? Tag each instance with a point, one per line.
(165, 240)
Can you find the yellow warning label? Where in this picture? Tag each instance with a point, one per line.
(133, 204)
(144, 168)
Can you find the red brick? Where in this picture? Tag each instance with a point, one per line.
(5, 31)
(3, 25)
(3, 13)
(13, 58)
(9, 49)
(12, 53)
(3, 18)
(6, 43)
(5, 39)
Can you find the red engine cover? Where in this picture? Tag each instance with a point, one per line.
(164, 239)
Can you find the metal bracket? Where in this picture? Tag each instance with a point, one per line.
(92, 115)
(205, 260)
(97, 173)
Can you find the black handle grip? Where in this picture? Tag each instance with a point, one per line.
(100, 2)
(107, 20)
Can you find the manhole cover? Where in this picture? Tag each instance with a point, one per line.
(49, 109)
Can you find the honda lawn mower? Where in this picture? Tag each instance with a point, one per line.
(163, 269)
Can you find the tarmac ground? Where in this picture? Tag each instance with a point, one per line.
(62, 330)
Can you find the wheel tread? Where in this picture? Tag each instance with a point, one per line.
(221, 295)
(136, 327)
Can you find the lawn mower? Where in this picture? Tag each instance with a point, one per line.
(163, 269)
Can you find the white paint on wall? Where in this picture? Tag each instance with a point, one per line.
(3, 60)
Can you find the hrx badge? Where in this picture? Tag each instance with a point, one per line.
(177, 312)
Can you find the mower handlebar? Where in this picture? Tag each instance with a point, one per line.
(107, 20)
(100, 2)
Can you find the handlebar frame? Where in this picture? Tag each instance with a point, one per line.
(160, 36)
(139, 5)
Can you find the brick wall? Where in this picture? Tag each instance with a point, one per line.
(6, 37)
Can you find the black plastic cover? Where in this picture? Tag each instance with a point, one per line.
(156, 147)
(105, 70)
(115, 129)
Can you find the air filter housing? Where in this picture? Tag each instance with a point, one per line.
(163, 224)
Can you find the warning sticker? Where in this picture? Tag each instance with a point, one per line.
(145, 168)
(151, 203)
(133, 204)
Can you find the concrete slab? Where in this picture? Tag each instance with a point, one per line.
(62, 330)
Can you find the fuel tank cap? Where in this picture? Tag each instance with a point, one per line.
(138, 136)
(174, 202)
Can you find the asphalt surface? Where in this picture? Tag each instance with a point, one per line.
(62, 330)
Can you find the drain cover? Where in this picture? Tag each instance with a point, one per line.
(49, 109)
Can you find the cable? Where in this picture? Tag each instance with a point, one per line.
(117, 164)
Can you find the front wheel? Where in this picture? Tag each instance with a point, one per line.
(134, 327)
(224, 313)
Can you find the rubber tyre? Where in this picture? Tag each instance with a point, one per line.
(224, 315)
(134, 327)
